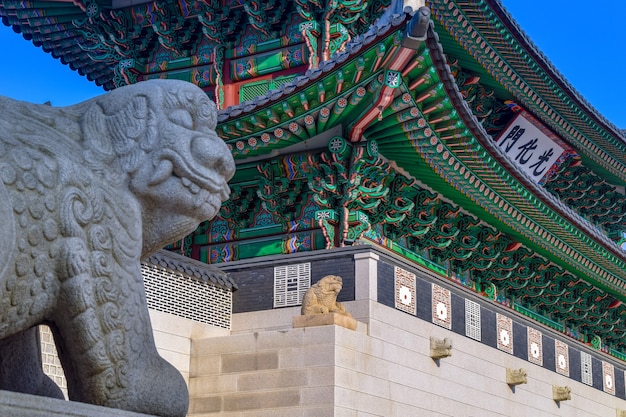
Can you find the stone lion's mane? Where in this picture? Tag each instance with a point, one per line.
(98, 240)
(323, 294)
(115, 140)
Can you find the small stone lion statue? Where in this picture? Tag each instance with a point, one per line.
(321, 297)
(86, 192)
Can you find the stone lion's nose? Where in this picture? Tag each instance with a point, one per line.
(213, 154)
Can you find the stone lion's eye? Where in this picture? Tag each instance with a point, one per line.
(182, 118)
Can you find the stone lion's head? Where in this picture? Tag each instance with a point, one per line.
(157, 140)
(330, 284)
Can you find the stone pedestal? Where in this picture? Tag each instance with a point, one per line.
(14, 404)
(311, 320)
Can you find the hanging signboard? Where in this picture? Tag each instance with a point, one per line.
(530, 146)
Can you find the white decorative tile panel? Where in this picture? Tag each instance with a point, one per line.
(535, 346)
(405, 289)
(442, 307)
(291, 283)
(608, 378)
(504, 326)
(561, 357)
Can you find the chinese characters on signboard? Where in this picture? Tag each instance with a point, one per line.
(530, 149)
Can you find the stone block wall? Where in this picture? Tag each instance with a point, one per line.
(50, 359)
(285, 373)
(173, 336)
(383, 369)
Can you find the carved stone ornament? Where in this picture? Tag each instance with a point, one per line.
(321, 297)
(86, 191)
(516, 376)
(560, 393)
(440, 348)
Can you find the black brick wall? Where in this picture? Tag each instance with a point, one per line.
(488, 328)
(620, 390)
(596, 366)
(458, 314)
(549, 352)
(342, 266)
(520, 341)
(574, 364)
(424, 300)
(385, 286)
(256, 283)
(256, 291)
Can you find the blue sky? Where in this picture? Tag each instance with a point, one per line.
(585, 43)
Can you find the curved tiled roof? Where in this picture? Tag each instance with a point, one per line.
(386, 23)
(524, 39)
(486, 141)
(494, 41)
(549, 212)
(199, 271)
(531, 215)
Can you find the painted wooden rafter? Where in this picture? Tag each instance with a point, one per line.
(396, 61)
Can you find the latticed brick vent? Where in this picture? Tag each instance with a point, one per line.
(180, 295)
(586, 373)
(290, 284)
(472, 320)
(50, 359)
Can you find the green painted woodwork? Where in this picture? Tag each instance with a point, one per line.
(429, 96)
(538, 317)
(264, 246)
(326, 24)
(255, 89)
(423, 182)
(260, 231)
(414, 257)
(494, 48)
(590, 196)
(617, 354)
(260, 248)
(268, 62)
(424, 133)
(264, 64)
(179, 75)
(484, 40)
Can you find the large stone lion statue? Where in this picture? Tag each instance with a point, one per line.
(86, 191)
(321, 297)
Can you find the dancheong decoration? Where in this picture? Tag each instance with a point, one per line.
(441, 135)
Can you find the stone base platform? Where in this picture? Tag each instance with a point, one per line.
(311, 320)
(13, 404)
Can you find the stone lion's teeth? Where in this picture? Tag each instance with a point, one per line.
(186, 181)
(201, 199)
(225, 193)
(162, 172)
(194, 188)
